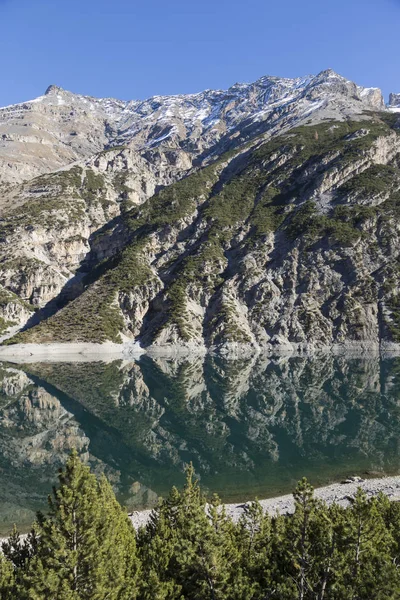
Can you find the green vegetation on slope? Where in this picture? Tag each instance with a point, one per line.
(95, 316)
(233, 208)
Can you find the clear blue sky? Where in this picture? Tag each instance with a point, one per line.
(135, 49)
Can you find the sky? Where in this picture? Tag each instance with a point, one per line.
(133, 49)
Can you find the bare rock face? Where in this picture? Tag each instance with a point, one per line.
(394, 101)
(264, 215)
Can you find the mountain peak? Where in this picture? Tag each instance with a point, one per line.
(53, 89)
(394, 100)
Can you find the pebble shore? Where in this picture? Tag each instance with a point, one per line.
(337, 492)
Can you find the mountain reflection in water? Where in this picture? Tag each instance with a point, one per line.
(250, 427)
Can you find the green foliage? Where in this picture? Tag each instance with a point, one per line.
(202, 268)
(90, 318)
(174, 203)
(7, 581)
(340, 228)
(267, 214)
(85, 548)
(92, 185)
(227, 320)
(4, 324)
(376, 180)
(186, 552)
(235, 201)
(119, 183)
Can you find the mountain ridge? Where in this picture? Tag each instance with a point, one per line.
(197, 220)
(97, 124)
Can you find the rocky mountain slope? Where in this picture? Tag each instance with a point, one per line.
(266, 215)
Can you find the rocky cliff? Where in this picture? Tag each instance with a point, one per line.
(266, 215)
(394, 101)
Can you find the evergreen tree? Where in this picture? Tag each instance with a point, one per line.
(7, 580)
(188, 549)
(191, 550)
(85, 545)
(116, 563)
(254, 541)
(328, 559)
(211, 568)
(296, 562)
(370, 570)
(156, 546)
(391, 516)
(19, 551)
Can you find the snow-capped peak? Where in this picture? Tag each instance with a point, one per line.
(201, 123)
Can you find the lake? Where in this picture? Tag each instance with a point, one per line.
(251, 427)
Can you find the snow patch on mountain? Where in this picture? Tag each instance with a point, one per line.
(201, 124)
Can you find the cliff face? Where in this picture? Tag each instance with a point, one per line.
(394, 101)
(266, 215)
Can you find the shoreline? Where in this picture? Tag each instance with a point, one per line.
(108, 351)
(334, 493)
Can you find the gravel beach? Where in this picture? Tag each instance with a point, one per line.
(337, 492)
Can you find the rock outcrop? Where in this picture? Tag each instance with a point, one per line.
(394, 101)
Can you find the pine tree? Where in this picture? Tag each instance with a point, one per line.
(85, 546)
(188, 549)
(7, 581)
(254, 541)
(370, 571)
(116, 566)
(295, 561)
(391, 515)
(214, 569)
(19, 551)
(156, 546)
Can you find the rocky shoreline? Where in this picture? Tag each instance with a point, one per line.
(339, 493)
(335, 493)
(86, 352)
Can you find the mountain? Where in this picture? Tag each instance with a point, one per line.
(58, 128)
(394, 102)
(264, 215)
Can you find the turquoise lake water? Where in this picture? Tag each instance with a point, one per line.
(251, 428)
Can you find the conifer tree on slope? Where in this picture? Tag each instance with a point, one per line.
(368, 545)
(86, 546)
(296, 559)
(188, 553)
(19, 551)
(156, 547)
(7, 582)
(255, 543)
(210, 558)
